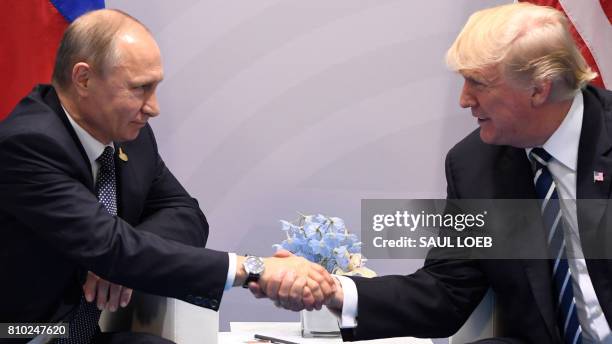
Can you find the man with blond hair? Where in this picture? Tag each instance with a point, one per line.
(526, 84)
(88, 209)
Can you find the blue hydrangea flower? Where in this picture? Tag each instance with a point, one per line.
(320, 239)
(338, 224)
(342, 257)
(319, 247)
(311, 229)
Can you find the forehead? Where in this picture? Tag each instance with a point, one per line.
(138, 56)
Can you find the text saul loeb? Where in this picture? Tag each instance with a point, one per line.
(430, 242)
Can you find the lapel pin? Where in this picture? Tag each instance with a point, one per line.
(122, 155)
(598, 176)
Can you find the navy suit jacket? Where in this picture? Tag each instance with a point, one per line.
(436, 300)
(53, 229)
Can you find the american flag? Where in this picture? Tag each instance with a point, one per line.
(591, 25)
(598, 176)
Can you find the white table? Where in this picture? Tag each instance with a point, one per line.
(243, 332)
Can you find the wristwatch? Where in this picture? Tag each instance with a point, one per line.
(254, 267)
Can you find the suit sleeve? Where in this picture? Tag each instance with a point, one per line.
(39, 189)
(169, 211)
(433, 302)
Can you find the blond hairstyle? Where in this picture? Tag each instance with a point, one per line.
(528, 43)
(90, 38)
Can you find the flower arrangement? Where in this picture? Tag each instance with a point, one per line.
(325, 241)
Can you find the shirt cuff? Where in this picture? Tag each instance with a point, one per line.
(348, 318)
(231, 272)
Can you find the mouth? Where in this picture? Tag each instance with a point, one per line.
(481, 119)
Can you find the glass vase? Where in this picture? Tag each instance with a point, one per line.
(320, 323)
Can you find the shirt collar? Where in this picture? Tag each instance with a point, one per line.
(563, 144)
(93, 148)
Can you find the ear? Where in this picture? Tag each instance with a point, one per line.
(540, 92)
(81, 76)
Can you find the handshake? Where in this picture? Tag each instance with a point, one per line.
(291, 282)
(294, 283)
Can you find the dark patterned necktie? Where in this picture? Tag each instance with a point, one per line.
(567, 317)
(84, 325)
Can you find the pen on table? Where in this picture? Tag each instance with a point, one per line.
(274, 340)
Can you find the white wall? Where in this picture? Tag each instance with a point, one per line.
(275, 106)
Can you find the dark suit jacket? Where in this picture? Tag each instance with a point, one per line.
(53, 229)
(437, 299)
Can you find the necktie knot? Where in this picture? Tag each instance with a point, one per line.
(540, 156)
(106, 158)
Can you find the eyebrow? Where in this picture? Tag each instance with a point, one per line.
(476, 79)
(146, 81)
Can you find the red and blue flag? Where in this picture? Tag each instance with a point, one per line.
(31, 32)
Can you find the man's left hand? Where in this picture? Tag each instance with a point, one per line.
(107, 295)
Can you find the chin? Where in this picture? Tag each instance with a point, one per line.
(131, 136)
(488, 139)
(491, 139)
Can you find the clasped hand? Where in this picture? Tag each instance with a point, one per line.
(294, 283)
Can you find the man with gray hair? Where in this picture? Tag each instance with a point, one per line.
(88, 210)
(543, 134)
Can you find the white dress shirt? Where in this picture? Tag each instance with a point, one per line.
(563, 146)
(94, 148)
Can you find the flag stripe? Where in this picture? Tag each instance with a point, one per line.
(606, 6)
(594, 27)
(583, 21)
(72, 9)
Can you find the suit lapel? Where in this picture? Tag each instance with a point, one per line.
(515, 181)
(595, 155)
(126, 186)
(123, 173)
(49, 97)
(514, 175)
(538, 272)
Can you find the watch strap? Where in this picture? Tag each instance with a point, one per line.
(250, 278)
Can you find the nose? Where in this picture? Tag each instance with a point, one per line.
(466, 98)
(151, 107)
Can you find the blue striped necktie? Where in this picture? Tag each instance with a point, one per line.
(567, 318)
(84, 326)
